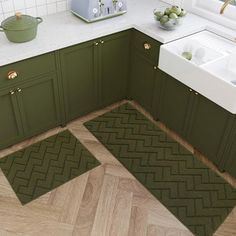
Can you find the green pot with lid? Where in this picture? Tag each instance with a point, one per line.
(20, 28)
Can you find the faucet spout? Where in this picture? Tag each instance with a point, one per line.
(226, 3)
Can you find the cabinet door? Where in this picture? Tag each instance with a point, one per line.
(114, 59)
(174, 104)
(79, 76)
(209, 124)
(10, 123)
(142, 81)
(39, 107)
(229, 158)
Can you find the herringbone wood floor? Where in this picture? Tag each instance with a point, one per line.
(104, 201)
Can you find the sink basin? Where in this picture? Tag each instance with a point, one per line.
(225, 68)
(210, 69)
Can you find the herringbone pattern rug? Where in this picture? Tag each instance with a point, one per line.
(198, 197)
(46, 165)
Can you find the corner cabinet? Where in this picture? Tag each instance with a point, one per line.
(114, 65)
(29, 99)
(95, 73)
(144, 76)
(204, 124)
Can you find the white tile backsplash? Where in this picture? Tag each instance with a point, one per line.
(61, 6)
(18, 5)
(7, 6)
(174, 2)
(32, 7)
(40, 2)
(31, 11)
(42, 10)
(52, 8)
(30, 3)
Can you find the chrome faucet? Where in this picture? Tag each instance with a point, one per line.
(226, 3)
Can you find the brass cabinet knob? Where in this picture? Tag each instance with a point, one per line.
(96, 43)
(155, 67)
(196, 93)
(18, 90)
(12, 75)
(12, 92)
(147, 46)
(101, 41)
(190, 90)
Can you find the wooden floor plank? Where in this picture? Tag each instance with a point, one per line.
(106, 205)
(138, 222)
(73, 199)
(121, 214)
(88, 206)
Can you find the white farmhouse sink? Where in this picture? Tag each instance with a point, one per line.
(211, 71)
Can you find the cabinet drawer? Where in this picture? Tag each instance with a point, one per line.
(147, 45)
(26, 69)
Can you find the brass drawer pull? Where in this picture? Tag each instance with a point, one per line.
(18, 90)
(12, 92)
(12, 75)
(147, 46)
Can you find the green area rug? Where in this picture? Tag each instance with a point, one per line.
(197, 196)
(46, 165)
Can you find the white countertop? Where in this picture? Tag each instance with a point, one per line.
(64, 29)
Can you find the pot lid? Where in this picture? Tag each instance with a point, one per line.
(19, 22)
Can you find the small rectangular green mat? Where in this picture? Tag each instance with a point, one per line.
(45, 165)
(196, 195)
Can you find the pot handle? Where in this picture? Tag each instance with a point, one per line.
(39, 19)
(1, 29)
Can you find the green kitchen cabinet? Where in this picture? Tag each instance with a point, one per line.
(11, 129)
(145, 75)
(95, 74)
(28, 109)
(114, 63)
(38, 104)
(228, 159)
(204, 124)
(27, 69)
(175, 100)
(142, 81)
(209, 124)
(230, 165)
(79, 77)
(29, 99)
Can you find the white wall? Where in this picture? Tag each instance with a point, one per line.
(31, 7)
